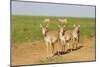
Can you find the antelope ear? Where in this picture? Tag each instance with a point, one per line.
(74, 25)
(78, 25)
(40, 25)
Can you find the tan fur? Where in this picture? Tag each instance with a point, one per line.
(65, 38)
(75, 36)
(50, 38)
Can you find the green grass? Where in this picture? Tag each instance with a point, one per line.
(26, 28)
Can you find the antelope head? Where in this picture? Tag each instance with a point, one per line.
(61, 29)
(76, 28)
(44, 29)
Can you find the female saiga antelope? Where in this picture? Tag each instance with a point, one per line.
(62, 21)
(50, 38)
(46, 20)
(75, 36)
(65, 37)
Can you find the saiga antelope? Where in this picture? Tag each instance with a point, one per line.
(65, 37)
(75, 36)
(62, 21)
(46, 20)
(50, 38)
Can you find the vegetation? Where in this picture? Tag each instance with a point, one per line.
(27, 28)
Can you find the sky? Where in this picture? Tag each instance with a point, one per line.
(51, 9)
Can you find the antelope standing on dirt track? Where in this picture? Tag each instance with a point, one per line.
(65, 37)
(75, 36)
(50, 38)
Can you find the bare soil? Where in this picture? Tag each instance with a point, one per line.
(35, 53)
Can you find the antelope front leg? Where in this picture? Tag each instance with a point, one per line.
(58, 49)
(47, 49)
(64, 43)
(64, 48)
(77, 42)
(68, 46)
(61, 46)
(76, 46)
(73, 44)
(52, 49)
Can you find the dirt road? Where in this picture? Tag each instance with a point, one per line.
(35, 53)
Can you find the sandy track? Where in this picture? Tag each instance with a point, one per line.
(35, 53)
